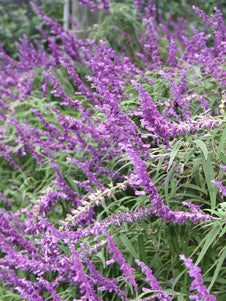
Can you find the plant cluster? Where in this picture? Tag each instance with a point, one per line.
(113, 161)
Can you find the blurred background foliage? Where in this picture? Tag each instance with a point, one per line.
(17, 17)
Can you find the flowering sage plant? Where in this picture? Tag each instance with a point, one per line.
(113, 162)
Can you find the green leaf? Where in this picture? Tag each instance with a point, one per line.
(174, 152)
(100, 255)
(222, 142)
(180, 298)
(168, 181)
(143, 255)
(217, 270)
(208, 241)
(192, 186)
(126, 242)
(202, 146)
(209, 175)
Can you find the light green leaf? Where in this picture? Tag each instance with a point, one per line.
(192, 186)
(202, 146)
(102, 258)
(209, 175)
(174, 152)
(222, 142)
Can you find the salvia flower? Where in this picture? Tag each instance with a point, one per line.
(197, 284)
(153, 282)
(220, 186)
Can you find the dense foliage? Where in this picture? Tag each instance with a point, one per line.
(113, 159)
(18, 18)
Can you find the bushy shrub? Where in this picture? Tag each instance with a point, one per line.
(113, 162)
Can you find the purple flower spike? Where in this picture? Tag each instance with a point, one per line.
(154, 284)
(197, 284)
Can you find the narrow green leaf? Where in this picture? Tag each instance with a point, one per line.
(102, 257)
(208, 241)
(192, 186)
(168, 181)
(174, 152)
(124, 166)
(195, 170)
(72, 183)
(223, 158)
(143, 255)
(209, 175)
(173, 240)
(221, 174)
(223, 230)
(202, 146)
(158, 168)
(126, 242)
(217, 270)
(222, 142)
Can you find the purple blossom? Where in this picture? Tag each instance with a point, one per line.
(8, 158)
(152, 120)
(138, 4)
(197, 283)
(125, 267)
(150, 11)
(6, 200)
(172, 51)
(192, 126)
(153, 282)
(220, 186)
(218, 28)
(101, 4)
(223, 166)
(151, 45)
